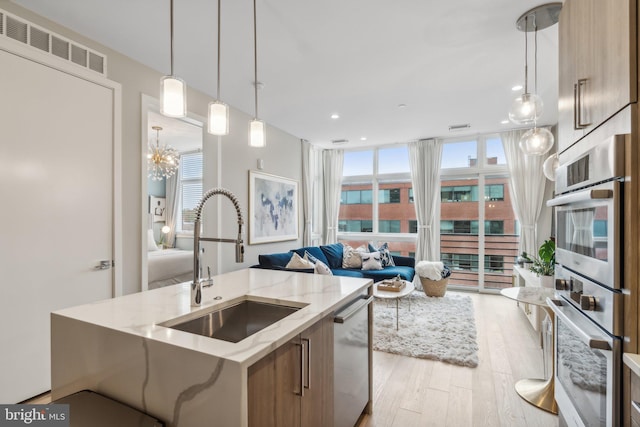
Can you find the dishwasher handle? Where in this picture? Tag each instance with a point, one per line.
(352, 310)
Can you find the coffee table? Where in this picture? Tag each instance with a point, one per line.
(408, 288)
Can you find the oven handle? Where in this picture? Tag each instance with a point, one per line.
(594, 342)
(581, 196)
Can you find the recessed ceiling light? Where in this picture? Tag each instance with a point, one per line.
(335, 116)
(516, 88)
(402, 105)
(504, 122)
(363, 138)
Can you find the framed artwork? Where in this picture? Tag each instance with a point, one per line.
(273, 208)
(157, 208)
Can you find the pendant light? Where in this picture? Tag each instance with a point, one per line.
(218, 123)
(537, 141)
(257, 131)
(162, 160)
(550, 165)
(527, 107)
(173, 90)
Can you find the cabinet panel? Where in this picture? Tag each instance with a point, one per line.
(597, 64)
(568, 31)
(317, 403)
(293, 385)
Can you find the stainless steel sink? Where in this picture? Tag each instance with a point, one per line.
(236, 322)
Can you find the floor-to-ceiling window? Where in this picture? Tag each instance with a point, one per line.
(376, 204)
(478, 229)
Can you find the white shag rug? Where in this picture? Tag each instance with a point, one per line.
(434, 328)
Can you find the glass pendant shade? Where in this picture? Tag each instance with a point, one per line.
(525, 109)
(550, 165)
(536, 142)
(173, 97)
(257, 137)
(218, 123)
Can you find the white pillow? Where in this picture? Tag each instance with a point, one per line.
(371, 261)
(351, 258)
(322, 268)
(151, 242)
(297, 261)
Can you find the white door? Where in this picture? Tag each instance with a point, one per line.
(56, 211)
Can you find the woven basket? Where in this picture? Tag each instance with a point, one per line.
(434, 288)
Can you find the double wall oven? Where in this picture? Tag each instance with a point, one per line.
(588, 334)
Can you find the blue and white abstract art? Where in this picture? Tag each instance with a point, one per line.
(273, 208)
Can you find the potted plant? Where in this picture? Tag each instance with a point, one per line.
(544, 265)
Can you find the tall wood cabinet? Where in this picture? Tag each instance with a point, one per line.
(293, 385)
(598, 65)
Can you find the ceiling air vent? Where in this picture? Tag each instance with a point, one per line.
(339, 141)
(454, 128)
(44, 40)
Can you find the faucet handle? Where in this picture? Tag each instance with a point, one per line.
(209, 281)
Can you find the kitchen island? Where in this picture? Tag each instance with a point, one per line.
(120, 348)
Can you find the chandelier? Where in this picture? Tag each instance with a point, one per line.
(162, 160)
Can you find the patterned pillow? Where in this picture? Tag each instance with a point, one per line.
(371, 261)
(297, 262)
(319, 266)
(385, 255)
(351, 258)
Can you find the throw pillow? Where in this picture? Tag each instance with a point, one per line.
(371, 261)
(351, 258)
(322, 268)
(297, 261)
(319, 266)
(385, 255)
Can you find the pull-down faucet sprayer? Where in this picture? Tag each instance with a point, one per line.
(196, 285)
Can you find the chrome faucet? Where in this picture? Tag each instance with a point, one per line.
(196, 285)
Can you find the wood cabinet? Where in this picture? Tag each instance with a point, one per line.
(598, 69)
(293, 385)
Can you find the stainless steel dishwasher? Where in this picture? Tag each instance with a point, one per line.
(351, 361)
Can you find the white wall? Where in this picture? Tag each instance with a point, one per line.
(282, 155)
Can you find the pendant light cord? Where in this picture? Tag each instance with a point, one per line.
(219, 20)
(535, 55)
(255, 57)
(171, 32)
(526, 56)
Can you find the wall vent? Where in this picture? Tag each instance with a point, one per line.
(454, 128)
(44, 40)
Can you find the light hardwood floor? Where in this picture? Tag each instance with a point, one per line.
(412, 392)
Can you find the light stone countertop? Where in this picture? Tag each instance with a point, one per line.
(142, 314)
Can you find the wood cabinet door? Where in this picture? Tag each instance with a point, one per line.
(611, 77)
(597, 65)
(273, 388)
(317, 403)
(568, 55)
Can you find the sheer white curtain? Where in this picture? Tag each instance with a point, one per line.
(332, 162)
(425, 157)
(173, 204)
(527, 184)
(307, 195)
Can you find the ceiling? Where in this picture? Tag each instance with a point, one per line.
(450, 62)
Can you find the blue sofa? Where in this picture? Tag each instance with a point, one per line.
(331, 255)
